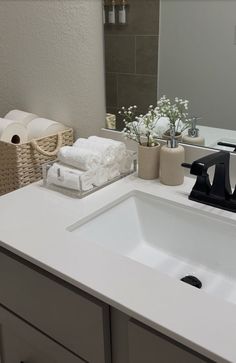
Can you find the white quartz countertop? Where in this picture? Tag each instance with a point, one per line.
(33, 225)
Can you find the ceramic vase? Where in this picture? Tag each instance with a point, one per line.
(148, 162)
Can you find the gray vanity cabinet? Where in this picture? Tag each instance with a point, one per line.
(133, 342)
(22, 343)
(46, 320)
(70, 317)
(146, 345)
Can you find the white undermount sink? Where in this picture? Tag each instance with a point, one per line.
(168, 238)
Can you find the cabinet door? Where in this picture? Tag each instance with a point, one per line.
(20, 343)
(145, 345)
(63, 312)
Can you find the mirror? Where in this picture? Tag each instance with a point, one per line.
(176, 48)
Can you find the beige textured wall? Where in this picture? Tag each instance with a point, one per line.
(51, 60)
(197, 57)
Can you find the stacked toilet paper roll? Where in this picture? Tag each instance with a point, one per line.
(41, 127)
(19, 127)
(12, 131)
(20, 116)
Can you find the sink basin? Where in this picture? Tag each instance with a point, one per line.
(168, 238)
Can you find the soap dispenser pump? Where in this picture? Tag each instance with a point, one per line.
(172, 155)
(193, 136)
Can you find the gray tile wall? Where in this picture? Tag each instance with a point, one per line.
(131, 56)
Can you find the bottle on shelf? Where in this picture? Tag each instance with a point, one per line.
(122, 11)
(112, 12)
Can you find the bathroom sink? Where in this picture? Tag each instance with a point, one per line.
(168, 238)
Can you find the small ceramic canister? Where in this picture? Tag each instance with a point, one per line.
(148, 161)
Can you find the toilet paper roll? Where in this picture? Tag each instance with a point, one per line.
(41, 127)
(12, 131)
(20, 116)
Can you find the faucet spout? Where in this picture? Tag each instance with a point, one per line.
(221, 183)
(219, 193)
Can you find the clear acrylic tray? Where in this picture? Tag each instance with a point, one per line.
(127, 167)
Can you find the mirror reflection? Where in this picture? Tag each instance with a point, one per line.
(178, 48)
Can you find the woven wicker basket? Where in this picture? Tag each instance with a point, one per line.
(21, 164)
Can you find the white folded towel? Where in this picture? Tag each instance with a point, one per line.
(119, 147)
(126, 163)
(101, 176)
(106, 150)
(113, 171)
(70, 178)
(79, 158)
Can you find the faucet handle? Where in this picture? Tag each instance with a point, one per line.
(186, 165)
(202, 183)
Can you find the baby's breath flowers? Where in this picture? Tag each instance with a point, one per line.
(140, 128)
(177, 112)
(146, 129)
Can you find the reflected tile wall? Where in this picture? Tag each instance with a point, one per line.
(131, 57)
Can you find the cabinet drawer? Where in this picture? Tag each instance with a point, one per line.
(146, 345)
(71, 317)
(22, 343)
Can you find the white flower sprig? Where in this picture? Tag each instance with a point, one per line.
(140, 128)
(177, 112)
(146, 129)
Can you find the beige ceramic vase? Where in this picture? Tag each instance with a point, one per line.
(148, 161)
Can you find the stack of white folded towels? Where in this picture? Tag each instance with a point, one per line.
(88, 163)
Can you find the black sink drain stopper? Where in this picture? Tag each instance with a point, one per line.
(192, 280)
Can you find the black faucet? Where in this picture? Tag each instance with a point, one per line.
(219, 193)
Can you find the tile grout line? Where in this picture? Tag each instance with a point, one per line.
(133, 74)
(117, 92)
(130, 35)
